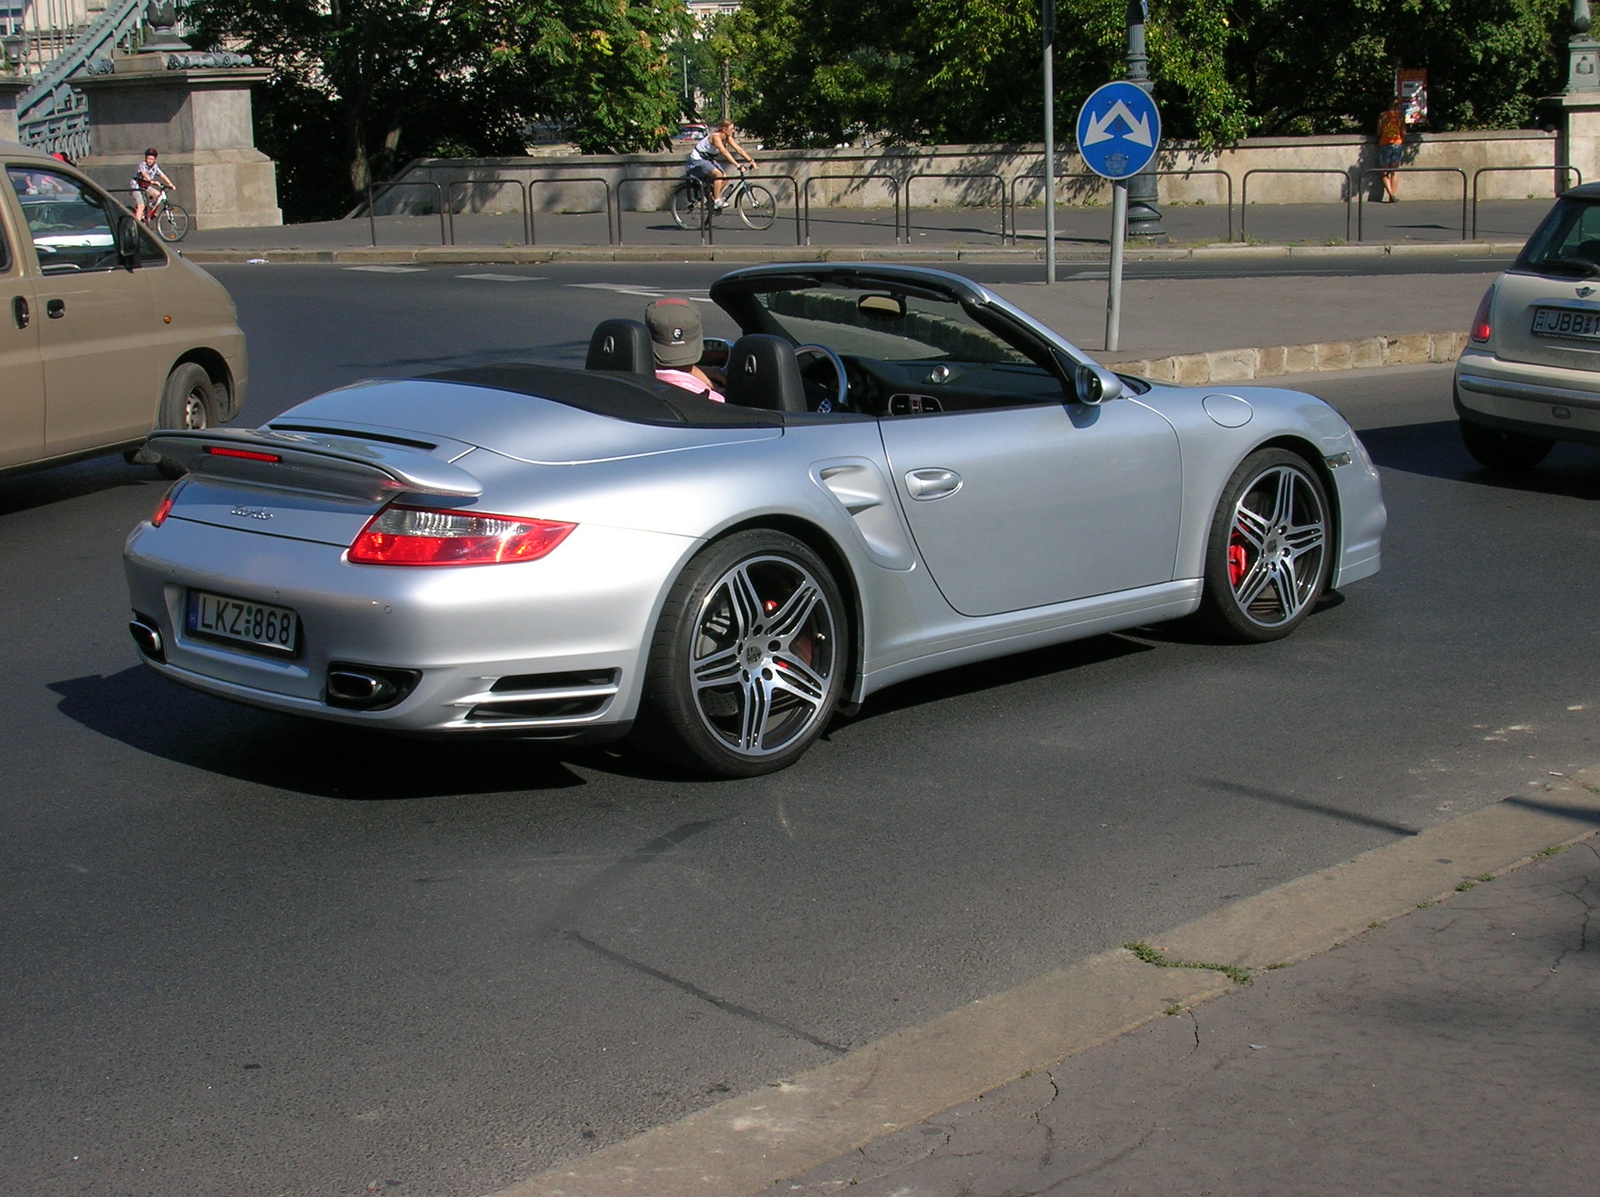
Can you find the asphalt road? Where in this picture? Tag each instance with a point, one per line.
(245, 954)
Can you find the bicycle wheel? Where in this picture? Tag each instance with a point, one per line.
(172, 224)
(757, 208)
(687, 198)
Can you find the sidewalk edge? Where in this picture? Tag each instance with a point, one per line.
(748, 1143)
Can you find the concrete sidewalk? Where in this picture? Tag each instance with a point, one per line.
(1452, 1051)
(1418, 1020)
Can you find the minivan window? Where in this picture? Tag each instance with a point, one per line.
(69, 224)
(1567, 242)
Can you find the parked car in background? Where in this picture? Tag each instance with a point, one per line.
(1530, 374)
(690, 131)
(104, 335)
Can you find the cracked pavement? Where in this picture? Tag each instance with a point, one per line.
(1451, 1050)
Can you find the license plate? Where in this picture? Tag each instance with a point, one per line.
(258, 625)
(1566, 322)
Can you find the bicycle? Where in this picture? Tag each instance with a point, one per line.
(752, 201)
(171, 220)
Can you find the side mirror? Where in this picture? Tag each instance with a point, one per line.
(1094, 385)
(714, 351)
(129, 242)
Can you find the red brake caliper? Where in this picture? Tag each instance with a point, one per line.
(1238, 564)
(802, 644)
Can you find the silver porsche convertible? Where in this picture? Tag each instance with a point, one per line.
(909, 474)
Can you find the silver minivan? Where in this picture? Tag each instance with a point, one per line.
(103, 336)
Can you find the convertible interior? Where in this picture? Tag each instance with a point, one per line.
(835, 348)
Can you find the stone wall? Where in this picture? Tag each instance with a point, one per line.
(855, 178)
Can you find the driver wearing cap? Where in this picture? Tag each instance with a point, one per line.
(677, 343)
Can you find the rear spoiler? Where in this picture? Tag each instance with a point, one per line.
(336, 465)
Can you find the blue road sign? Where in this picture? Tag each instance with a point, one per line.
(1119, 130)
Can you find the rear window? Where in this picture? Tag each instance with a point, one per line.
(1567, 243)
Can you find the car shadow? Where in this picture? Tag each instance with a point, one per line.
(143, 710)
(1003, 671)
(59, 484)
(1435, 450)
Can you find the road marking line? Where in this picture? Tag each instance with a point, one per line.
(640, 289)
(505, 278)
(389, 269)
(742, 1145)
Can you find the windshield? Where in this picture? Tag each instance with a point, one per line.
(888, 326)
(1567, 243)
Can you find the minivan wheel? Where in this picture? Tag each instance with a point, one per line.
(1514, 452)
(189, 404)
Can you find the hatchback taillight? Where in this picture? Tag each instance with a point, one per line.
(164, 508)
(424, 536)
(1480, 321)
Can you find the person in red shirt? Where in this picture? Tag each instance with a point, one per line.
(1391, 144)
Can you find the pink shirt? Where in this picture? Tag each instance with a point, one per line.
(682, 378)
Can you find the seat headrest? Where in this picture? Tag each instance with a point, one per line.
(621, 345)
(762, 372)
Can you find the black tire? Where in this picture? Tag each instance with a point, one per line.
(188, 402)
(1513, 452)
(172, 224)
(757, 208)
(728, 692)
(688, 201)
(1270, 551)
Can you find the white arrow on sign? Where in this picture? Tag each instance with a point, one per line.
(1100, 128)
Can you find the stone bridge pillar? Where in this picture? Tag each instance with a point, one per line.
(195, 109)
(11, 86)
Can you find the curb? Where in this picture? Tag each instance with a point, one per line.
(489, 255)
(748, 1143)
(1242, 365)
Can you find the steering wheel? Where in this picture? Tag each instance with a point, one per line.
(840, 399)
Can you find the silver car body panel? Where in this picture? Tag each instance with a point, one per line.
(1064, 521)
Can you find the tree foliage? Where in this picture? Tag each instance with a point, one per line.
(362, 86)
(1313, 68)
(819, 72)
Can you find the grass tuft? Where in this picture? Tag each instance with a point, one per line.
(1154, 956)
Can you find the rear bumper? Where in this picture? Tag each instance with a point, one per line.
(1538, 400)
(553, 648)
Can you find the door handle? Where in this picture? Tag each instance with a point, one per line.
(932, 483)
(55, 308)
(20, 312)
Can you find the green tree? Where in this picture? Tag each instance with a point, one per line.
(1329, 66)
(361, 86)
(817, 72)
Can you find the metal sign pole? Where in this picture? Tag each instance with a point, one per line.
(1119, 233)
(1048, 19)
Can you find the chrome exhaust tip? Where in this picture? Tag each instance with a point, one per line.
(368, 687)
(148, 637)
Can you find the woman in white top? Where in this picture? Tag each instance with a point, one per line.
(711, 151)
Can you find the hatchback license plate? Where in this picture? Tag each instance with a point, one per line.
(1566, 322)
(258, 625)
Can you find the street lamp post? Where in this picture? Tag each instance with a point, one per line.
(1144, 218)
(1047, 17)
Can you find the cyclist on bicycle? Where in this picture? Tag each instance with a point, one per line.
(710, 153)
(148, 180)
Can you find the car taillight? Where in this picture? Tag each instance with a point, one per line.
(164, 508)
(1480, 322)
(423, 536)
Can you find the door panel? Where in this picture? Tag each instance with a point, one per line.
(21, 371)
(98, 334)
(1036, 505)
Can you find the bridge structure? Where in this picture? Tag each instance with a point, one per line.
(53, 42)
